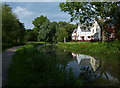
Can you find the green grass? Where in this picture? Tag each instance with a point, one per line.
(33, 67)
(92, 47)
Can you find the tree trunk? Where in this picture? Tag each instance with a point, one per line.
(64, 39)
(103, 36)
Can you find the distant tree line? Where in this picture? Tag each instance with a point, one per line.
(13, 31)
(47, 31)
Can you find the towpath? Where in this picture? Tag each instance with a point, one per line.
(6, 61)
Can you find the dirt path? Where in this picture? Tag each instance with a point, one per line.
(6, 61)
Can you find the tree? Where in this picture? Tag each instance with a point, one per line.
(78, 10)
(30, 35)
(52, 31)
(109, 12)
(86, 11)
(11, 26)
(68, 27)
(21, 33)
(61, 33)
(41, 24)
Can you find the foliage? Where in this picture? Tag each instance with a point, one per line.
(68, 28)
(108, 9)
(30, 35)
(106, 13)
(40, 66)
(77, 10)
(41, 25)
(12, 29)
(51, 31)
(85, 11)
(61, 34)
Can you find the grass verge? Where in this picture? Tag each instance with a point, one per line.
(92, 47)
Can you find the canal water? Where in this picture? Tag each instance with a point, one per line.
(98, 71)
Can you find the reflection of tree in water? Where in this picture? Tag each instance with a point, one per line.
(90, 73)
(48, 49)
(102, 76)
(109, 72)
(86, 74)
(104, 71)
(60, 56)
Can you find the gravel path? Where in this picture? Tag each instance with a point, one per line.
(6, 61)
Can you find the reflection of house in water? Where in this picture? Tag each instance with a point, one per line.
(94, 63)
(85, 60)
(89, 65)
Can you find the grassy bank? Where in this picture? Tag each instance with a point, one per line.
(92, 47)
(33, 67)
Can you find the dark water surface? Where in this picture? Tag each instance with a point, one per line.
(99, 71)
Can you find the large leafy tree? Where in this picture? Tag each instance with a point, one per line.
(78, 10)
(61, 34)
(41, 24)
(68, 28)
(52, 31)
(109, 12)
(84, 12)
(10, 26)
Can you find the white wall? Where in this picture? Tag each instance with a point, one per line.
(86, 34)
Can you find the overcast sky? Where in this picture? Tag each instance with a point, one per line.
(28, 11)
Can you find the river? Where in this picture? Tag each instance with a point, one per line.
(93, 70)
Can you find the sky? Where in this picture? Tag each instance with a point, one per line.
(27, 11)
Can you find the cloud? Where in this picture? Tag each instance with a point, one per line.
(22, 12)
(57, 15)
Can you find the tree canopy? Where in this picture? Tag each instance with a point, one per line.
(106, 13)
(86, 11)
(52, 31)
(12, 28)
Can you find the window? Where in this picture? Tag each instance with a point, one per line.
(91, 36)
(88, 36)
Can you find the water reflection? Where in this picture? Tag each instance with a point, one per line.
(89, 68)
(94, 71)
(85, 60)
(84, 64)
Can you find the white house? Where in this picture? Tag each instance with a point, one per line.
(90, 33)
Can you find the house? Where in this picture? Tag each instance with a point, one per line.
(84, 33)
